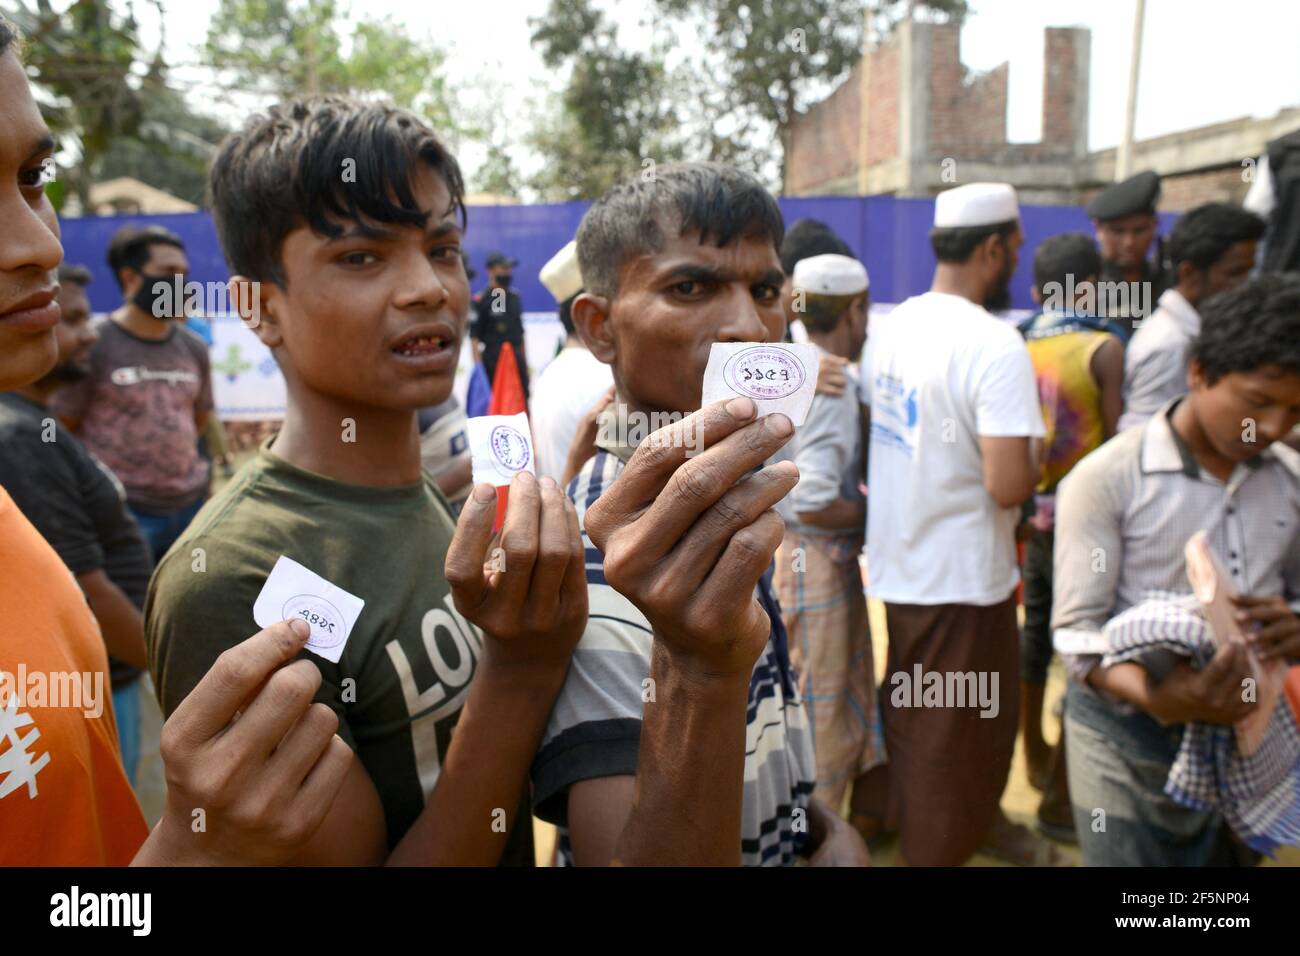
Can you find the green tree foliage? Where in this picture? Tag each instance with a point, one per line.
(616, 113)
(283, 48)
(171, 150)
(92, 77)
(497, 173)
(772, 59)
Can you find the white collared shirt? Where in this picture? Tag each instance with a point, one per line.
(1155, 364)
(1125, 512)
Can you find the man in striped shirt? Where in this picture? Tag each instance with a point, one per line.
(679, 711)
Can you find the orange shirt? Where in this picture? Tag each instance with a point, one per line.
(64, 797)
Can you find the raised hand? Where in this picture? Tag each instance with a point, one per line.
(686, 536)
(528, 590)
(831, 377)
(583, 447)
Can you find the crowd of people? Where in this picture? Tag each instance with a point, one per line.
(664, 650)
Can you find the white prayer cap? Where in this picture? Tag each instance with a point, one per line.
(975, 204)
(561, 275)
(830, 274)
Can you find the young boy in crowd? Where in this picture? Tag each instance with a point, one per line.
(1211, 249)
(1079, 364)
(357, 286)
(817, 578)
(671, 267)
(64, 796)
(1123, 517)
(803, 240)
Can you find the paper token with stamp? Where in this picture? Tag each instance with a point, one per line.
(501, 447)
(778, 376)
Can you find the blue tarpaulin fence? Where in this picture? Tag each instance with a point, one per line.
(889, 234)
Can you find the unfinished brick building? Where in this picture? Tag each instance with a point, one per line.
(930, 123)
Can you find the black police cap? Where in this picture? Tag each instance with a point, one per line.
(1135, 194)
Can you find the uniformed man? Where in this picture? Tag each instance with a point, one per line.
(1124, 216)
(499, 318)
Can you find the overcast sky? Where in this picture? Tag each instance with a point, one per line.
(1203, 61)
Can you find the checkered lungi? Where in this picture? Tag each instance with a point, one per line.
(819, 586)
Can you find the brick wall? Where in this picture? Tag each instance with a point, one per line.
(1060, 50)
(882, 106)
(1179, 193)
(968, 112)
(966, 117)
(824, 143)
(967, 121)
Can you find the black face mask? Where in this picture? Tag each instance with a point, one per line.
(161, 304)
(503, 280)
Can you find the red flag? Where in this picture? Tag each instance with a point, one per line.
(507, 399)
(507, 386)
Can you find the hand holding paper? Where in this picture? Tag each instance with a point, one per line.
(527, 588)
(1213, 588)
(501, 446)
(294, 592)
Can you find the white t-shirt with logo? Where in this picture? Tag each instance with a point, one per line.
(938, 372)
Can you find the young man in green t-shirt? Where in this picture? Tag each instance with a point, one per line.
(341, 223)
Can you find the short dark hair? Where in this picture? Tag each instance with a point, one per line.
(719, 202)
(956, 245)
(807, 238)
(287, 166)
(822, 313)
(73, 274)
(566, 312)
(1253, 325)
(1203, 235)
(8, 35)
(130, 245)
(1069, 254)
